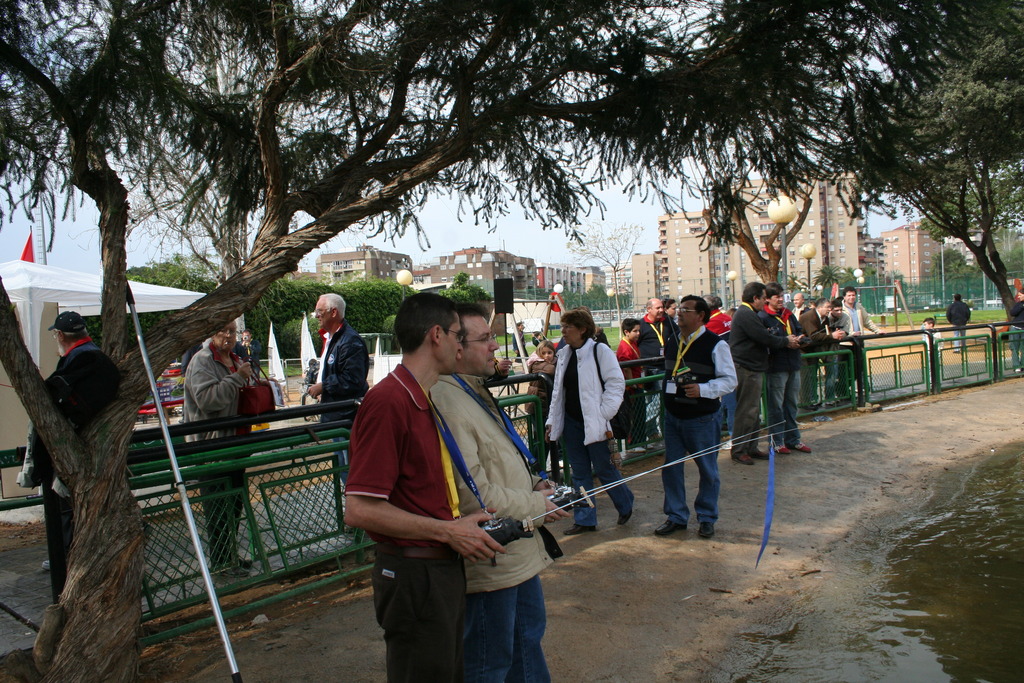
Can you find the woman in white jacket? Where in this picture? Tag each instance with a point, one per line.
(588, 390)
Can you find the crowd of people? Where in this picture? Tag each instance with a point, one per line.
(433, 457)
(433, 461)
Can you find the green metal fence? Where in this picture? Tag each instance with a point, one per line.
(966, 360)
(827, 381)
(290, 515)
(1009, 353)
(895, 370)
(288, 491)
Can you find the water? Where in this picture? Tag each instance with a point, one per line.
(938, 597)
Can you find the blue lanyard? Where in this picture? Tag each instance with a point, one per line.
(456, 454)
(505, 422)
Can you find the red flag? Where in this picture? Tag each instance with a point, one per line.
(27, 253)
(835, 290)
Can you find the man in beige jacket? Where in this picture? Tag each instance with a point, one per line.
(505, 616)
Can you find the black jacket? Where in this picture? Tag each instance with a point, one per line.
(750, 342)
(84, 382)
(345, 369)
(784, 359)
(958, 313)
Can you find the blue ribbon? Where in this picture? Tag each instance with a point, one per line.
(457, 459)
(510, 429)
(769, 503)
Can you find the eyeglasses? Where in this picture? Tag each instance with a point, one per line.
(484, 340)
(687, 310)
(457, 333)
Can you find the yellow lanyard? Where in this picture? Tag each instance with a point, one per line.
(657, 331)
(683, 349)
(785, 323)
(446, 463)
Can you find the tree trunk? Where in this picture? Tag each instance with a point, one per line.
(101, 599)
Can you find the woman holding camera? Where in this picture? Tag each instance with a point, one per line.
(588, 390)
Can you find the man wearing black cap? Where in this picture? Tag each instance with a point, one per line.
(84, 382)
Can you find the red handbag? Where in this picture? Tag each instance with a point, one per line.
(255, 398)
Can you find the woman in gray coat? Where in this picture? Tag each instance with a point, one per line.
(212, 383)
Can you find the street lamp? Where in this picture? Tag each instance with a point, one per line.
(404, 278)
(808, 252)
(858, 273)
(732, 275)
(782, 211)
(611, 291)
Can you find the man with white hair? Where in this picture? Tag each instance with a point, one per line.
(344, 362)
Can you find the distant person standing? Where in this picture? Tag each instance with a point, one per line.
(248, 349)
(958, 314)
(213, 380)
(800, 306)
(750, 343)
(860, 320)
(344, 362)
(1016, 335)
(820, 327)
(655, 329)
(83, 383)
(783, 377)
(720, 323)
(588, 390)
(699, 370)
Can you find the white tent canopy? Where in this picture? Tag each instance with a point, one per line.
(31, 285)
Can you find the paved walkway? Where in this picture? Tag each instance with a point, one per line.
(24, 594)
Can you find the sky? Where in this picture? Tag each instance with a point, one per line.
(76, 245)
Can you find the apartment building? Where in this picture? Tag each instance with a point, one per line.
(646, 277)
(572, 278)
(363, 263)
(684, 269)
(911, 252)
(621, 282)
(483, 266)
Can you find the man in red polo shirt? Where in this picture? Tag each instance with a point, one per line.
(402, 490)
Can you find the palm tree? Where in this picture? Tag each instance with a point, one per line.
(828, 276)
(797, 283)
(846, 275)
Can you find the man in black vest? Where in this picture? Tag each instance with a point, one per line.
(698, 371)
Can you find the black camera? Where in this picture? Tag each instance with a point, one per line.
(682, 378)
(504, 530)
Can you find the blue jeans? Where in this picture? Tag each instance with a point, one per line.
(1016, 347)
(686, 437)
(503, 633)
(783, 397)
(588, 462)
(832, 388)
(728, 409)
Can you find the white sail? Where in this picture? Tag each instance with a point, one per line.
(276, 370)
(306, 349)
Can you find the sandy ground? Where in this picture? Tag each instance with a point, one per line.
(625, 605)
